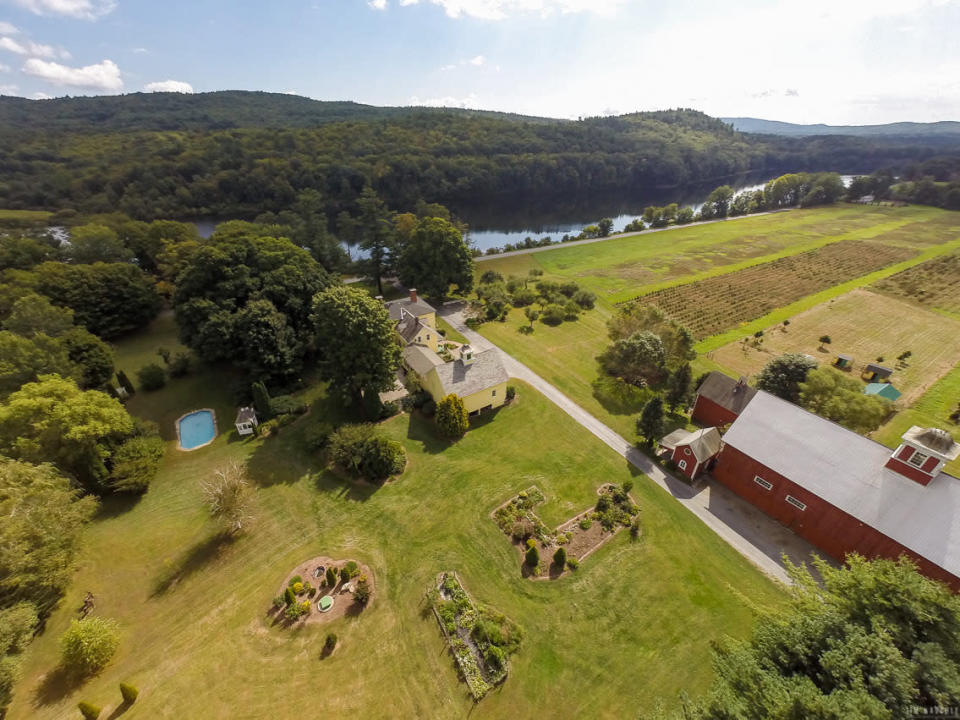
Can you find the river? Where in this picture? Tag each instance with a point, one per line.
(495, 225)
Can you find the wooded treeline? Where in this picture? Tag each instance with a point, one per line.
(69, 156)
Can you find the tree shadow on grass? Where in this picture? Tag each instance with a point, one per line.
(120, 710)
(192, 561)
(617, 396)
(484, 418)
(56, 685)
(112, 506)
(424, 431)
(359, 490)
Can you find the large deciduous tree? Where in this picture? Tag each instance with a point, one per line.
(109, 299)
(782, 375)
(52, 420)
(97, 243)
(435, 257)
(356, 342)
(377, 234)
(43, 515)
(835, 396)
(637, 359)
(228, 496)
(872, 640)
(246, 300)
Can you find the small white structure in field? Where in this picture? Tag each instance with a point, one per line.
(246, 420)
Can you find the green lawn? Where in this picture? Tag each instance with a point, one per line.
(25, 216)
(624, 268)
(139, 349)
(634, 624)
(933, 409)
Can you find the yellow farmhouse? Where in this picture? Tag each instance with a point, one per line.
(479, 379)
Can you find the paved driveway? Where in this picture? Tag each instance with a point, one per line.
(753, 534)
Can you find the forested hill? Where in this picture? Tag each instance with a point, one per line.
(200, 111)
(903, 129)
(241, 154)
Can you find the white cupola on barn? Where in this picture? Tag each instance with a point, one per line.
(923, 452)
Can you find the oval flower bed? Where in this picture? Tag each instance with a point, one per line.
(341, 586)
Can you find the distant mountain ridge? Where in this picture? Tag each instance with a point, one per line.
(902, 129)
(221, 110)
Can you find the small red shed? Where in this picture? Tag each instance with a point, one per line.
(692, 451)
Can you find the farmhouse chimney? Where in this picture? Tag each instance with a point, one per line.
(923, 453)
(466, 355)
(741, 384)
(413, 295)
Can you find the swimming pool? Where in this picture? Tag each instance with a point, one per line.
(197, 429)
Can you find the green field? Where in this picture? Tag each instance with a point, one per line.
(624, 268)
(632, 625)
(21, 217)
(933, 409)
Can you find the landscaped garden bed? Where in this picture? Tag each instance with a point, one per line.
(480, 638)
(341, 587)
(551, 553)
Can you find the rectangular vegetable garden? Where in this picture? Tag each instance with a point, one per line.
(480, 638)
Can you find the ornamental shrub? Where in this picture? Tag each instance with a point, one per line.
(294, 580)
(533, 557)
(352, 569)
(553, 314)
(87, 645)
(151, 377)
(511, 392)
(452, 418)
(278, 602)
(573, 563)
(331, 577)
(330, 643)
(560, 558)
(89, 710)
(362, 593)
(297, 588)
(180, 365)
(289, 598)
(129, 693)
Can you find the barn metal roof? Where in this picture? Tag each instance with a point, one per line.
(847, 470)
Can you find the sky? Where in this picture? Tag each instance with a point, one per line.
(831, 61)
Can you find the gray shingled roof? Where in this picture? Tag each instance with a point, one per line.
(421, 359)
(484, 372)
(726, 392)
(245, 414)
(409, 326)
(417, 309)
(705, 443)
(847, 470)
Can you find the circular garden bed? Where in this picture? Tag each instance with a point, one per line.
(323, 589)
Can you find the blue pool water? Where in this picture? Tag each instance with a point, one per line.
(196, 429)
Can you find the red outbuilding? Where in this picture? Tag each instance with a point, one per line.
(843, 492)
(692, 451)
(721, 399)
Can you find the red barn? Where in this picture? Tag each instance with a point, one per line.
(721, 399)
(692, 451)
(843, 492)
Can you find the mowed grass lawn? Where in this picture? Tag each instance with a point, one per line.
(633, 625)
(624, 268)
(866, 326)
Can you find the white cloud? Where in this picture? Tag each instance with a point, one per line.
(104, 75)
(470, 101)
(81, 9)
(8, 28)
(4, 68)
(32, 49)
(9, 89)
(477, 61)
(140, 51)
(378, 4)
(41, 96)
(500, 9)
(177, 86)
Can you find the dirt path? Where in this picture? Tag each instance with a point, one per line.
(750, 532)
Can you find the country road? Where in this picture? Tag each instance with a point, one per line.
(754, 535)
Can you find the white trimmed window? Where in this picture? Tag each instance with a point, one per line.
(765, 484)
(918, 459)
(682, 464)
(796, 503)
